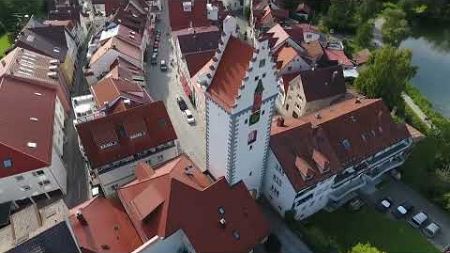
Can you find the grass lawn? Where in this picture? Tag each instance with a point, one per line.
(4, 43)
(367, 225)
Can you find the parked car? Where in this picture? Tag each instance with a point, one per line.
(418, 220)
(163, 65)
(431, 230)
(181, 103)
(402, 210)
(189, 117)
(154, 59)
(384, 204)
(155, 50)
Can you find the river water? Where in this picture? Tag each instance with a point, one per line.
(430, 45)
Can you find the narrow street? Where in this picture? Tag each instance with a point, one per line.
(77, 178)
(165, 87)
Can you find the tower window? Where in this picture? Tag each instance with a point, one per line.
(252, 137)
(262, 63)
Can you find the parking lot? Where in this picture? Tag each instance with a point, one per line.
(400, 193)
(163, 85)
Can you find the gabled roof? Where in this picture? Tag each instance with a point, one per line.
(131, 19)
(181, 197)
(149, 122)
(339, 136)
(198, 39)
(284, 56)
(44, 39)
(180, 19)
(108, 227)
(114, 92)
(339, 56)
(230, 72)
(196, 61)
(116, 43)
(27, 116)
(313, 50)
(124, 69)
(277, 36)
(322, 82)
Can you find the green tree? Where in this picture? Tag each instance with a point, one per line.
(368, 9)
(395, 27)
(340, 16)
(364, 33)
(364, 248)
(386, 75)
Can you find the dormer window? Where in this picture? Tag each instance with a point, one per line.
(108, 145)
(137, 135)
(7, 163)
(346, 144)
(187, 6)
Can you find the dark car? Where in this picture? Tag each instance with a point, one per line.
(384, 204)
(402, 210)
(181, 104)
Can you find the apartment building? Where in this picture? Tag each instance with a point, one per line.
(31, 142)
(161, 211)
(119, 125)
(321, 159)
(308, 91)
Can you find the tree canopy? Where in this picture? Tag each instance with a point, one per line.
(364, 248)
(395, 27)
(364, 34)
(386, 75)
(340, 15)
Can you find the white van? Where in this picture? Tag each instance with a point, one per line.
(418, 220)
(431, 230)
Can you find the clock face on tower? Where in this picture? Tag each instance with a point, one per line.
(257, 100)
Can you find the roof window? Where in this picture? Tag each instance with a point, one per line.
(56, 49)
(7, 163)
(236, 235)
(38, 94)
(31, 144)
(346, 144)
(187, 6)
(34, 119)
(221, 210)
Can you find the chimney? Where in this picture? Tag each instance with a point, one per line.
(81, 219)
(358, 100)
(280, 122)
(223, 223)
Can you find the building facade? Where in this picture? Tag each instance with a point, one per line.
(240, 98)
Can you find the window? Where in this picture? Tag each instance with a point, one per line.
(277, 180)
(137, 135)
(121, 131)
(159, 158)
(264, 75)
(236, 235)
(221, 210)
(162, 123)
(252, 137)
(45, 182)
(107, 145)
(7, 163)
(250, 174)
(38, 173)
(19, 178)
(256, 78)
(346, 144)
(263, 112)
(287, 107)
(289, 68)
(303, 200)
(246, 121)
(294, 115)
(262, 63)
(25, 188)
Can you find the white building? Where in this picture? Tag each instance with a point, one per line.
(322, 159)
(31, 142)
(118, 126)
(241, 89)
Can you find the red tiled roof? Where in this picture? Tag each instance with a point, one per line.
(180, 19)
(325, 131)
(107, 129)
(278, 36)
(322, 82)
(108, 228)
(230, 72)
(195, 62)
(191, 203)
(116, 91)
(313, 50)
(19, 103)
(339, 56)
(124, 69)
(284, 56)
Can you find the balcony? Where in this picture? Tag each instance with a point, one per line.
(343, 190)
(385, 167)
(388, 154)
